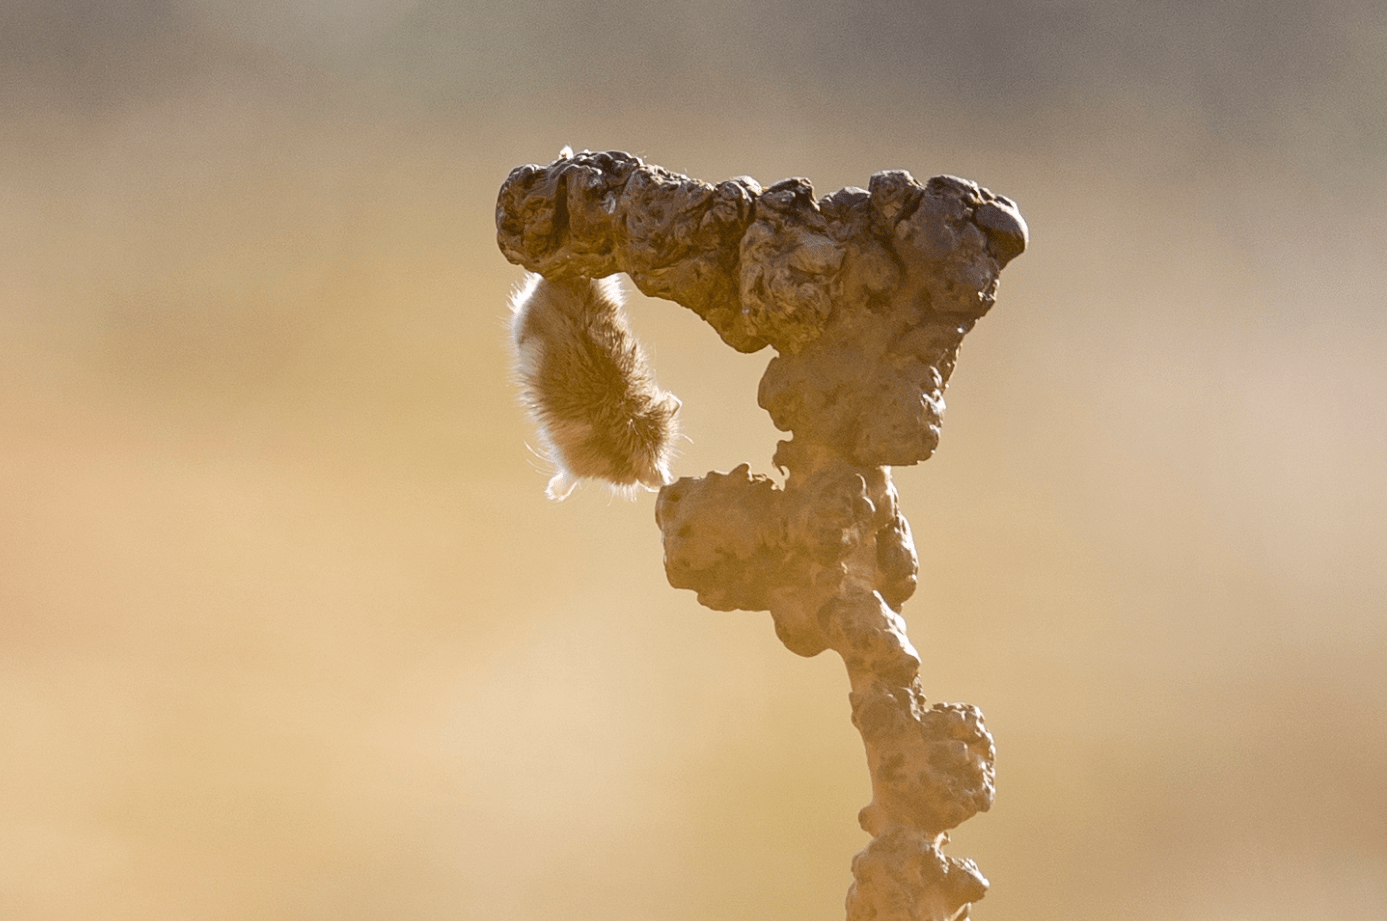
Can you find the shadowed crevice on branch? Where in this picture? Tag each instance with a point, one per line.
(865, 295)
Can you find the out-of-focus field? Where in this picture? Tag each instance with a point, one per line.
(288, 630)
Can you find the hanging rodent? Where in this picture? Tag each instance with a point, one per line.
(587, 384)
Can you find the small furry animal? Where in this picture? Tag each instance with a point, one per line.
(586, 382)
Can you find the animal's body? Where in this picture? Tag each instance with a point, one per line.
(586, 382)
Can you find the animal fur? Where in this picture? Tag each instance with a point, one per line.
(586, 382)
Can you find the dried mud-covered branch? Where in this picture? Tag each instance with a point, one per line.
(865, 295)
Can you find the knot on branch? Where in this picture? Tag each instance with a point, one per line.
(932, 767)
(725, 539)
(789, 266)
(902, 874)
(597, 213)
(829, 556)
(917, 271)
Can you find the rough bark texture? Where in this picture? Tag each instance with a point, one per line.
(865, 296)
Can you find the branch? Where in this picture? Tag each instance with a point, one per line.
(865, 296)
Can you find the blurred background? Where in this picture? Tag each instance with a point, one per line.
(289, 631)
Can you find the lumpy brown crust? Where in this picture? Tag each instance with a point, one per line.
(864, 293)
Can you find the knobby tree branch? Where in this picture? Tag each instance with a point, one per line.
(865, 295)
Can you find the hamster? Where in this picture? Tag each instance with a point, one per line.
(586, 382)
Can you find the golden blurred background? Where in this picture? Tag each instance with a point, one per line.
(289, 631)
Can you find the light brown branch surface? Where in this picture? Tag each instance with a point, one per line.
(865, 296)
